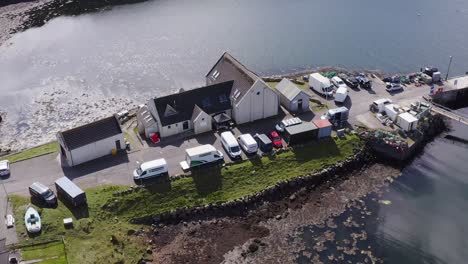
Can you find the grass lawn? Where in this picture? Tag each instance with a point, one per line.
(33, 152)
(304, 86)
(90, 239)
(50, 253)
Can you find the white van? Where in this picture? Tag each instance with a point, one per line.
(248, 144)
(341, 94)
(200, 156)
(321, 84)
(150, 169)
(230, 144)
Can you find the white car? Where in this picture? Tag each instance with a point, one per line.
(338, 82)
(4, 168)
(10, 221)
(392, 87)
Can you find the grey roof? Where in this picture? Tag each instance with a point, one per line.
(211, 99)
(72, 189)
(92, 132)
(305, 126)
(288, 89)
(227, 68)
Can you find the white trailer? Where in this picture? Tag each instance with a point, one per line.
(407, 121)
(321, 84)
(203, 155)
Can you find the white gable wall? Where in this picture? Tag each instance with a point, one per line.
(259, 102)
(293, 105)
(202, 123)
(94, 150)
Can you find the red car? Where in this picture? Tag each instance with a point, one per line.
(275, 138)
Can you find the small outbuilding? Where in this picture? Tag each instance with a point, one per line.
(301, 133)
(324, 127)
(291, 97)
(91, 141)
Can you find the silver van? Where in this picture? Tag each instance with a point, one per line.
(150, 169)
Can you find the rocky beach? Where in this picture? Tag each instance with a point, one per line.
(271, 233)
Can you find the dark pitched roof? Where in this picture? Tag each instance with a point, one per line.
(211, 99)
(90, 133)
(227, 68)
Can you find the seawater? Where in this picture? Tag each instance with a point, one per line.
(421, 218)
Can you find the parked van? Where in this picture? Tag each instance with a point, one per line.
(248, 144)
(150, 169)
(337, 116)
(321, 84)
(230, 144)
(341, 94)
(42, 193)
(70, 191)
(264, 143)
(204, 155)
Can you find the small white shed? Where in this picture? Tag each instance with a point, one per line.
(407, 121)
(91, 141)
(291, 97)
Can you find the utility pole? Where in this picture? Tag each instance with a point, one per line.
(450, 63)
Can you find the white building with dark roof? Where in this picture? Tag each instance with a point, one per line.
(291, 97)
(251, 98)
(192, 110)
(91, 141)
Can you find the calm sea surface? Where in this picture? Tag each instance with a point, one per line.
(162, 45)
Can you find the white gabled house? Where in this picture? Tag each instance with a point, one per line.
(232, 92)
(91, 141)
(291, 97)
(190, 111)
(251, 98)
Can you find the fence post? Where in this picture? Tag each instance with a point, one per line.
(65, 249)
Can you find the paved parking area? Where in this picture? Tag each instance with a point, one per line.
(359, 100)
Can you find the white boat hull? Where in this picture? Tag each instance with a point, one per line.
(32, 220)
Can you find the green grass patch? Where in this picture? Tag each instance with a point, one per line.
(33, 152)
(89, 241)
(49, 253)
(303, 86)
(106, 216)
(236, 181)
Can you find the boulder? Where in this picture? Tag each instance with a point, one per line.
(253, 247)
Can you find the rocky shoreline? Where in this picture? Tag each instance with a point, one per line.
(270, 220)
(20, 15)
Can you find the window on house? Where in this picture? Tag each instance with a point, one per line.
(215, 75)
